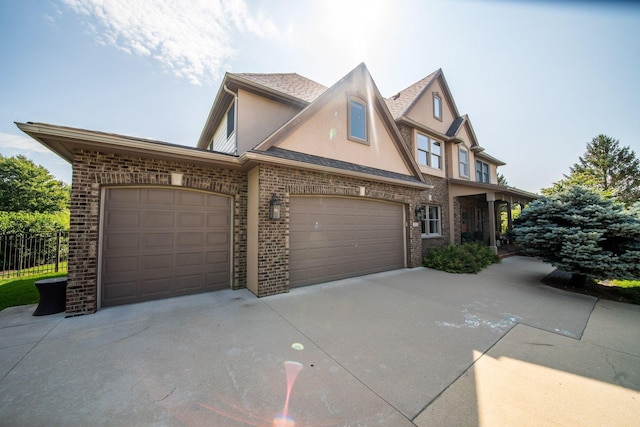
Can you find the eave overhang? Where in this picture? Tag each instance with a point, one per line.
(504, 190)
(64, 141)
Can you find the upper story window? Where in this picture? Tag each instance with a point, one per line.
(357, 120)
(437, 106)
(482, 172)
(429, 152)
(464, 162)
(231, 119)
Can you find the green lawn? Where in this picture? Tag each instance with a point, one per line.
(21, 290)
(630, 288)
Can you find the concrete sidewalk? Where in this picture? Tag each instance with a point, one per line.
(402, 348)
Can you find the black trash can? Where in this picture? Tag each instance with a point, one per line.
(53, 296)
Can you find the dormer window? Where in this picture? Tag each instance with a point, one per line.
(357, 120)
(437, 106)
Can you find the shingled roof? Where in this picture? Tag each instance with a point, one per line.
(337, 164)
(403, 100)
(291, 84)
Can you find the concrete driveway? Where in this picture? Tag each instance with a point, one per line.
(402, 348)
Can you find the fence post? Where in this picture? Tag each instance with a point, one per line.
(58, 251)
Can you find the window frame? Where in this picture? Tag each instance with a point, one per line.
(428, 220)
(359, 101)
(231, 112)
(480, 172)
(437, 106)
(429, 152)
(460, 163)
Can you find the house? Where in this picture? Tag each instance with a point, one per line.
(291, 184)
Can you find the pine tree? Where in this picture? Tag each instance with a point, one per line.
(605, 167)
(581, 232)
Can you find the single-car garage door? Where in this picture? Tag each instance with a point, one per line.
(333, 238)
(163, 242)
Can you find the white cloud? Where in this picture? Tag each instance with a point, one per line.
(16, 144)
(191, 39)
(13, 145)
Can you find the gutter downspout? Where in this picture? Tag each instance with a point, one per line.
(235, 113)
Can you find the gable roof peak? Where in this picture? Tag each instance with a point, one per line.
(292, 84)
(401, 102)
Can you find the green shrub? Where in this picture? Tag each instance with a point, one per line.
(33, 222)
(465, 258)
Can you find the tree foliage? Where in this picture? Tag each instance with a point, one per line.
(25, 186)
(33, 222)
(580, 231)
(605, 167)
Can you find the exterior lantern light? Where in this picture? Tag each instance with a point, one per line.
(275, 207)
(421, 213)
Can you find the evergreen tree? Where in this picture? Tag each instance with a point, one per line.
(606, 167)
(580, 231)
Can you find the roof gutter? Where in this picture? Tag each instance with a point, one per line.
(63, 141)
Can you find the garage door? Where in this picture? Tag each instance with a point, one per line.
(163, 242)
(333, 238)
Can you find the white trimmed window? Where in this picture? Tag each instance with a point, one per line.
(431, 224)
(464, 162)
(357, 120)
(429, 151)
(482, 172)
(437, 106)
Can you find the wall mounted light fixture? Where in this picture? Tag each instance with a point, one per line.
(275, 207)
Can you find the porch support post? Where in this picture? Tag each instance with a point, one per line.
(509, 217)
(491, 202)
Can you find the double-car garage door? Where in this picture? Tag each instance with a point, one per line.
(334, 238)
(163, 242)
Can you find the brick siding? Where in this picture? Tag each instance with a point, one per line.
(93, 170)
(273, 238)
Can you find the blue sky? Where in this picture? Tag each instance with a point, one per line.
(538, 79)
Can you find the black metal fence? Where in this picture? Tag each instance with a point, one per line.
(33, 253)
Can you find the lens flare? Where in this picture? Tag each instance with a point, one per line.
(292, 369)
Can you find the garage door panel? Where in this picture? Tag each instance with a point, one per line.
(124, 196)
(157, 262)
(190, 219)
(123, 218)
(122, 242)
(217, 220)
(157, 219)
(189, 259)
(125, 264)
(333, 238)
(189, 240)
(158, 242)
(218, 239)
(218, 257)
(191, 198)
(121, 290)
(158, 196)
(156, 287)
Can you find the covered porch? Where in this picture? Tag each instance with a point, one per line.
(483, 212)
